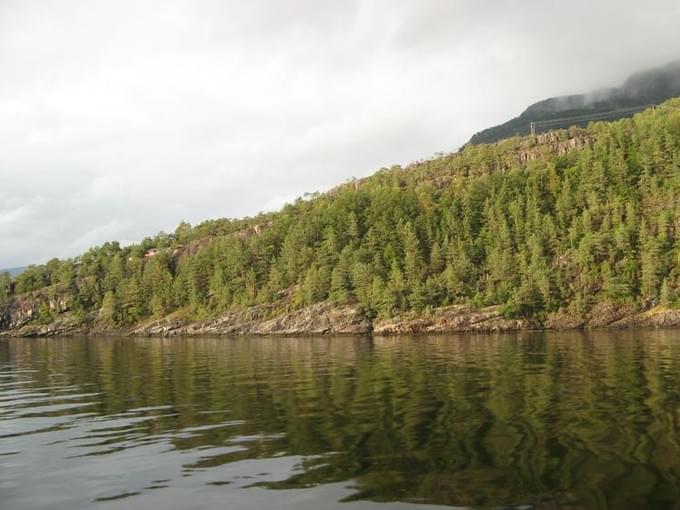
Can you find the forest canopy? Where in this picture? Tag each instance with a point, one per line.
(485, 226)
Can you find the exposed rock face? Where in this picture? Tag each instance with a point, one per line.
(318, 319)
(612, 316)
(27, 307)
(556, 142)
(25, 316)
(323, 318)
(22, 315)
(62, 326)
(451, 319)
(194, 246)
(653, 318)
(190, 249)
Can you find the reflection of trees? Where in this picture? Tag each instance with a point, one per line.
(586, 420)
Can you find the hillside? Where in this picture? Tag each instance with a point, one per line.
(575, 228)
(641, 89)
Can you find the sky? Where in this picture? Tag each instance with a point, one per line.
(119, 119)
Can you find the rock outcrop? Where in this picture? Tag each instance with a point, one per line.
(555, 142)
(41, 314)
(451, 319)
(27, 308)
(318, 319)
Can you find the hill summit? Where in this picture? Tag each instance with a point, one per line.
(642, 89)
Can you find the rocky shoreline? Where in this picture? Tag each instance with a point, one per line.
(327, 319)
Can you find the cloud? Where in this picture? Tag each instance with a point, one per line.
(120, 119)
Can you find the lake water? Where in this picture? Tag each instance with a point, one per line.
(545, 421)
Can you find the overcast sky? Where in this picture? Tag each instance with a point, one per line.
(119, 119)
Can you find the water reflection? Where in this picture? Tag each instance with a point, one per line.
(562, 420)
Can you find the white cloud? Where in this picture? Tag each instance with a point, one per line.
(119, 119)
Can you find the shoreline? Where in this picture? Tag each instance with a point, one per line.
(327, 319)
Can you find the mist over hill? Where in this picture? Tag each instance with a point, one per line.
(647, 87)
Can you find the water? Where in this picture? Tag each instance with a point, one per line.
(561, 420)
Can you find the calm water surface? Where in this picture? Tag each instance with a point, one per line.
(529, 421)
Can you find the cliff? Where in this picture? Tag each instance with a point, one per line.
(40, 313)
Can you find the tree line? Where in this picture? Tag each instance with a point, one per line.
(564, 231)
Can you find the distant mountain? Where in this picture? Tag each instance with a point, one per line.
(13, 271)
(652, 86)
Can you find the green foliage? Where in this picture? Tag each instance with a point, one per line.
(5, 287)
(110, 312)
(562, 231)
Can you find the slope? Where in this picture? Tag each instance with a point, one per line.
(575, 228)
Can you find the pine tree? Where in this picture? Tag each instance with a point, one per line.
(362, 281)
(395, 298)
(341, 278)
(109, 313)
(566, 231)
(436, 259)
(5, 289)
(667, 296)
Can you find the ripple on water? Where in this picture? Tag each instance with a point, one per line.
(570, 420)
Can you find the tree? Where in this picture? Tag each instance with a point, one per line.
(5, 289)
(199, 272)
(437, 260)
(341, 278)
(183, 233)
(566, 231)
(395, 293)
(667, 296)
(649, 264)
(110, 313)
(157, 283)
(413, 261)
(116, 273)
(315, 286)
(134, 302)
(362, 281)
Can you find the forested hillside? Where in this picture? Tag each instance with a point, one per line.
(562, 222)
